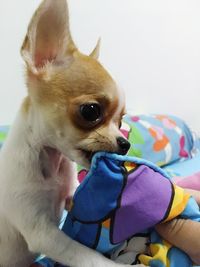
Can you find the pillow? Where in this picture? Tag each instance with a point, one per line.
(161, 139)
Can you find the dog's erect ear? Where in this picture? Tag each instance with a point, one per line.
(48, 39)
(95, 53)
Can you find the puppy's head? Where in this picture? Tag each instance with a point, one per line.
(73, 97)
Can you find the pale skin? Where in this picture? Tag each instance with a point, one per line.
(184, 234)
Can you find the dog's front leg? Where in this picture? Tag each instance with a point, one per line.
(56, 245)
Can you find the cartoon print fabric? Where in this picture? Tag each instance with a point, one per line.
(125, 197)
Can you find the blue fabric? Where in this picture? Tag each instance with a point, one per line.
(95, 209)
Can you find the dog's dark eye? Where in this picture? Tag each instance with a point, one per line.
(91, 112)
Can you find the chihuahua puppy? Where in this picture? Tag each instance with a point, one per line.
(72, 110)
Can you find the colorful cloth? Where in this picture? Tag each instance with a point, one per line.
(124, 197)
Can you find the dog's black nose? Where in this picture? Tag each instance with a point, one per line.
(123, 144)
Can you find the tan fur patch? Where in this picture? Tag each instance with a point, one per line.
(86, 78)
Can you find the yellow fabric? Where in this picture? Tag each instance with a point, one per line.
(158, 252)
(179, 203)
(130, 166)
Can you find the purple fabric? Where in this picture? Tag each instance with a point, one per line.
(144, 202)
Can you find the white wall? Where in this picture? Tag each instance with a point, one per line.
(151, 47)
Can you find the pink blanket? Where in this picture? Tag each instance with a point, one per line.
(190, 182)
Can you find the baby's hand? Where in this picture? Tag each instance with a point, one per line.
(184, 234)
